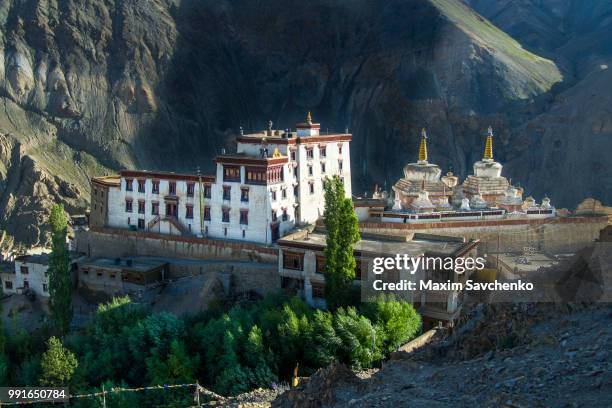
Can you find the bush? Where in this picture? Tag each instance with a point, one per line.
(398, 321)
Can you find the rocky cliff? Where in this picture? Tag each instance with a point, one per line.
(93, 85)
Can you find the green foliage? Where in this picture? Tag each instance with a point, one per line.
(60, 285)
(174, 368)
(360, 340)
(397, 319)
(342, 229)
(230, 351)
(57, 364)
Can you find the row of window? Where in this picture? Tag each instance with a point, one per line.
(129, 186)
(254, 175)
(323, 168)
(26, 284)
(310, 152)
(225, 213)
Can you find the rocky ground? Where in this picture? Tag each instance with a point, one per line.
(504, 356)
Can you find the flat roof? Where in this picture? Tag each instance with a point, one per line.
(419, 245)
(42, 258)
(170, 175)
(110, 180)
(121, 264)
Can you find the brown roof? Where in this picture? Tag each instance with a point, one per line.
(111, 180)
(165, 175)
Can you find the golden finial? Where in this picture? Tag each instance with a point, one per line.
(276, 153)
(423, 146)
(488, 153)
(309, 118)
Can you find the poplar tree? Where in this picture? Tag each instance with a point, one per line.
(60, 285)
(342, 234)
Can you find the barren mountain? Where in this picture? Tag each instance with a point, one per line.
(92, 86)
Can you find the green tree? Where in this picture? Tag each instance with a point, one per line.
(173, 368)
(342, 233)
(398, 320)
(60, 285)
(57, 364)
(361, 341)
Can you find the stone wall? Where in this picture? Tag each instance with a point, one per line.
(556, 235)
(108, 242)
(250, 266)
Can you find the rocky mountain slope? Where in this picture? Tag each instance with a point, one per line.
(95, 85)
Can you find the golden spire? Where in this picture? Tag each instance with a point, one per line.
(488, 153)
(309, 118)
(423, 146)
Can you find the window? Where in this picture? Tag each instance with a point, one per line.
(190, 189)
(318, 290)
(207, 191)
(101, 193)
(309, 153)
(112, 276)
(244, 217)
(358, 267)
(172, 188)
(225, 232)
(128, 185)
(207, 213)
(243, 233)
(292, 154)
(339, 148)
(225, 215)
(227, 191)
(231, 173)
(284, 193)
(24, 270)
(340, 165)
(285, 215)
(189, 211)
(256, 175)
(274, 216)
(273, 193)
(311, 187)
(128, 206)
(8, 285)
(323, 168)
(141, 207)
(295, 191)
(141, 186)
(322, 151)
(129, 222)
(26, 284)
(310, 170)
(141, 224)
(293, 260)
(320, 268)
(244, 195)
(155, 208)
(155, 184)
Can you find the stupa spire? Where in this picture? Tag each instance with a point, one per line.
(423, 146)
(488, 152)
(309, 118)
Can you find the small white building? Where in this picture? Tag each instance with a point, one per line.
(30, 273)
(272, 183)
